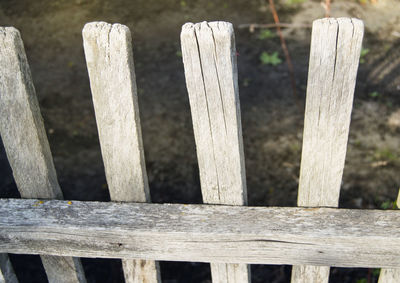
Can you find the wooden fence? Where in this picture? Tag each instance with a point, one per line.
(224, 231)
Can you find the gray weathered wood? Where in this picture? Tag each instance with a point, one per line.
(139, 270)
(205, 233)
(310, 273)
(208, 52)
(232, 272)
(21, 123)
(108, 50)
(25, 141)
(209, 56)
(334, 56)
(63, 269)
(7, 274)
(390, 275)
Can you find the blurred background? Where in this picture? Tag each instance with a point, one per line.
(272, 117)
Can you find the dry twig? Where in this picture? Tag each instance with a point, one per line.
(285, 51)
(253, 26)
(327, 7)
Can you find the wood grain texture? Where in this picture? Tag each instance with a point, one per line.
(389, 276)
(310, 273)
(108, 50)
(233, 272)
(63, 269)
(25, 140)
(334, 56)
(7, 274)
(209, 57)
(205, 233)
(139, 270)
(21, 123)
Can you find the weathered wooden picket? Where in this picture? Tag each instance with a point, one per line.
(223, 232)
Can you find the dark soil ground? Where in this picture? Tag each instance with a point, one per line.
(272, 123)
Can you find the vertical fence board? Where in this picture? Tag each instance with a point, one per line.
(26, 143)
(209, 57)
(7, 274)
(63, 269)
(108, 51)
(334, 56)
(390, 275)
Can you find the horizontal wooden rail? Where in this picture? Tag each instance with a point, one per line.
(205, 233)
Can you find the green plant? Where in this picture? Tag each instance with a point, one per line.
(270, 59)
(293, 2)
(364, 52)
(246, 82)
(295, 147)
(388, 205)
(364, 2)
(374, 94)
(265, 34)
(376, 272)
(385, 154)
(357, 143)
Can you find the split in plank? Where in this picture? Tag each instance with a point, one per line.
(209, 56)
(334, 56)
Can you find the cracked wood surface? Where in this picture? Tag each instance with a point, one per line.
(202, 233)
(209, 57)
(108, 51)
(334, 56)
(26, 144)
